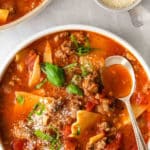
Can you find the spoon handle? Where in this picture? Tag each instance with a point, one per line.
(138, 135)
(135, 15)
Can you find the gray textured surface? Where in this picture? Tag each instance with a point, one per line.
(87, 12)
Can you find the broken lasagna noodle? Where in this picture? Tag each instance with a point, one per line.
(52, 96)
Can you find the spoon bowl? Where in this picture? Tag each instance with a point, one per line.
(113, 60)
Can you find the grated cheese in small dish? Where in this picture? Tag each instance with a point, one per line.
(118, 4)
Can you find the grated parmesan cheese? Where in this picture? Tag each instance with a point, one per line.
(118, 3)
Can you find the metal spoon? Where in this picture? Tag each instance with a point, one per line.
(123, 61)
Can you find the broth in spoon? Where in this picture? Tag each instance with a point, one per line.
(117, 80)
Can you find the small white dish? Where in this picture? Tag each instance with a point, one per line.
(135, 11)
(101, 4)
(28, 15)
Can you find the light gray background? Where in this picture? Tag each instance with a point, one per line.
(61, 12)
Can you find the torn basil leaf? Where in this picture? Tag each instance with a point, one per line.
(55, 74)
(74, 89)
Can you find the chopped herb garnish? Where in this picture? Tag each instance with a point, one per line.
(33, 111)
(20, 99)
(81, 49)
(56, 131)
(87, 43)
(74, 40)
(43, 136)
(78, 130)
(55, 74)
(84, 70)
(76, 79)
(70, 66)
(74, 89)
(38, 109)
(38, 86)
(56, 143)
(53, 139)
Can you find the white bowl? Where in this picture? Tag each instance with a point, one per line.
(30, 14)
(73, 27)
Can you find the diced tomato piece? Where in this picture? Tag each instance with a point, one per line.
(90, 106)
(30, 60)
(19, 144)
(70, 145)
(66, 131)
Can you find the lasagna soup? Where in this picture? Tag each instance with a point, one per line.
(52, 96)
(11, 10)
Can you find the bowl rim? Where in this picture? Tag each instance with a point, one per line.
(75, 27)
(52, 30)
(27, 16)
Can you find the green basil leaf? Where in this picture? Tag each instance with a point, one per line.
(55, 74)
(74, 89)
(20, 99)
